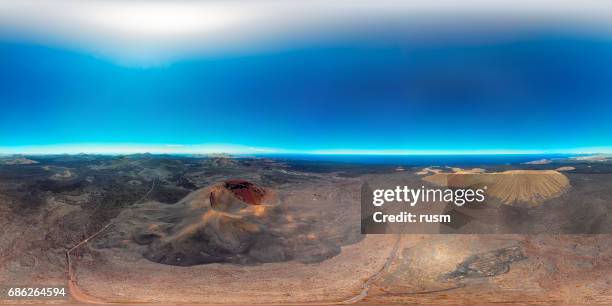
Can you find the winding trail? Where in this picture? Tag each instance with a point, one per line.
(367, 284)
(82, 297)
(76, 292)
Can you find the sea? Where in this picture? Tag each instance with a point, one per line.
(418, 160)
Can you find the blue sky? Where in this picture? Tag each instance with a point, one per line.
(383, 86)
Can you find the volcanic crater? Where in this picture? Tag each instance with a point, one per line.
(234, 221)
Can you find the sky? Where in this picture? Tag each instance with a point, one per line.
(312, 77)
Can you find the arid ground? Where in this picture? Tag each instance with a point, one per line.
(218, 230)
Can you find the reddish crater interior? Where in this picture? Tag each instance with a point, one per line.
(245, 191)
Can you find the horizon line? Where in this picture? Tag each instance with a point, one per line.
(232, 149)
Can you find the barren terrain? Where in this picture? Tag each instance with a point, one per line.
(133, 229)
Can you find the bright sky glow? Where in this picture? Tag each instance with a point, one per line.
(138, 32)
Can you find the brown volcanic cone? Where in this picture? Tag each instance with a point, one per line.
(234, 221)
(528, 186)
